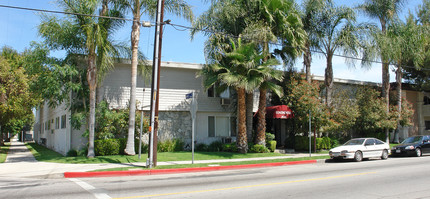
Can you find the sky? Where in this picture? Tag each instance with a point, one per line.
(19, 29)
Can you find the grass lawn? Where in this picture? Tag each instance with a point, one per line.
(3, 152)
(43, 154)
(218, 164)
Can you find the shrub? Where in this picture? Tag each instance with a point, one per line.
(302, 143)
(269, 137)
(72, 153)
(83, 152)
(107, 147)
(202, 147)
(231, 147)
(171, 145)
(258, 149)
(271, 145)
(215, 146)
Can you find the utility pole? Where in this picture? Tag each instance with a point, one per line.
(155, 88)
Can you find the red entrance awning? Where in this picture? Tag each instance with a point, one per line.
(279, 112)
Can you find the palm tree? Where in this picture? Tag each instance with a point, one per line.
(243, 69)
(87, 35)
(384, 11)
(402, 43)
(310, 8)
(275, 20)
(335, 32)
(138, 8)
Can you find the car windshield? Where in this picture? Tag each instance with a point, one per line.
(355, 142)
(411, 140)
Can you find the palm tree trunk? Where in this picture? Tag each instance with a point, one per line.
(385, 81)
(329, 79)
(261, 126)
(249, 114)
(242, 143)
(307, 59)
(399, 76)
(135, 36)
(92, 83)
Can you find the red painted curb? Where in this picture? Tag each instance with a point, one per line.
(181, 170)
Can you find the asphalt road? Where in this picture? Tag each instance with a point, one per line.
(392, 178)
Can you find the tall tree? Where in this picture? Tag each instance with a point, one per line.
(275, 20)
(139, 8)
(402, 44)
(336, 33)
(16, 99)
(384, 11)
(87, 35)
(310, 8)
(242, 68)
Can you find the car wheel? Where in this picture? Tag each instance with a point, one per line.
(358, 156)
(418, 152)
(384, 154)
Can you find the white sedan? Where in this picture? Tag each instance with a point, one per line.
(360, 148)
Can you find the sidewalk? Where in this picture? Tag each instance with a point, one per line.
(21, 163)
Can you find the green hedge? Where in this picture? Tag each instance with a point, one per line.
(258, 149)
(171, 146)
(302, 143)
(115, 146)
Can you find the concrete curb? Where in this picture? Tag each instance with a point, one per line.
(180, 170)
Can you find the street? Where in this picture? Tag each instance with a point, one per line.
(393, 178)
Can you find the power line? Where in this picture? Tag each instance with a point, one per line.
(184, 28)
(144, 23)
(283, 45)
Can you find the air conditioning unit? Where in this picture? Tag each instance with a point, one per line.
(225, 101)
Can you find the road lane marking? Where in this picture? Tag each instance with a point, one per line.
(96, 192)
(248, 186)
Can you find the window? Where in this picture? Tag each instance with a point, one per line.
(221, 126)
(211, 126)
(233, 126)
(370, 142)
(57, 123)
(378, 141)
(212, 91)
(427, 123)
(426, 100)
(63, 121)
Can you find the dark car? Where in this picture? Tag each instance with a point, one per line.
(412, 146)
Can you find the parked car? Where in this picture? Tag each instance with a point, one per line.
(360, 148)
(413, 146)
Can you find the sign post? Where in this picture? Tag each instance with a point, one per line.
(310, 135)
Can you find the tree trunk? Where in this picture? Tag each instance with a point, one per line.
(385, 81)
(307, 59)
(261, 125)
(328, 81)
(135, 36)
(249, 114)
(242, 143)
(92, 83)
(399, 77)
(1, 137)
